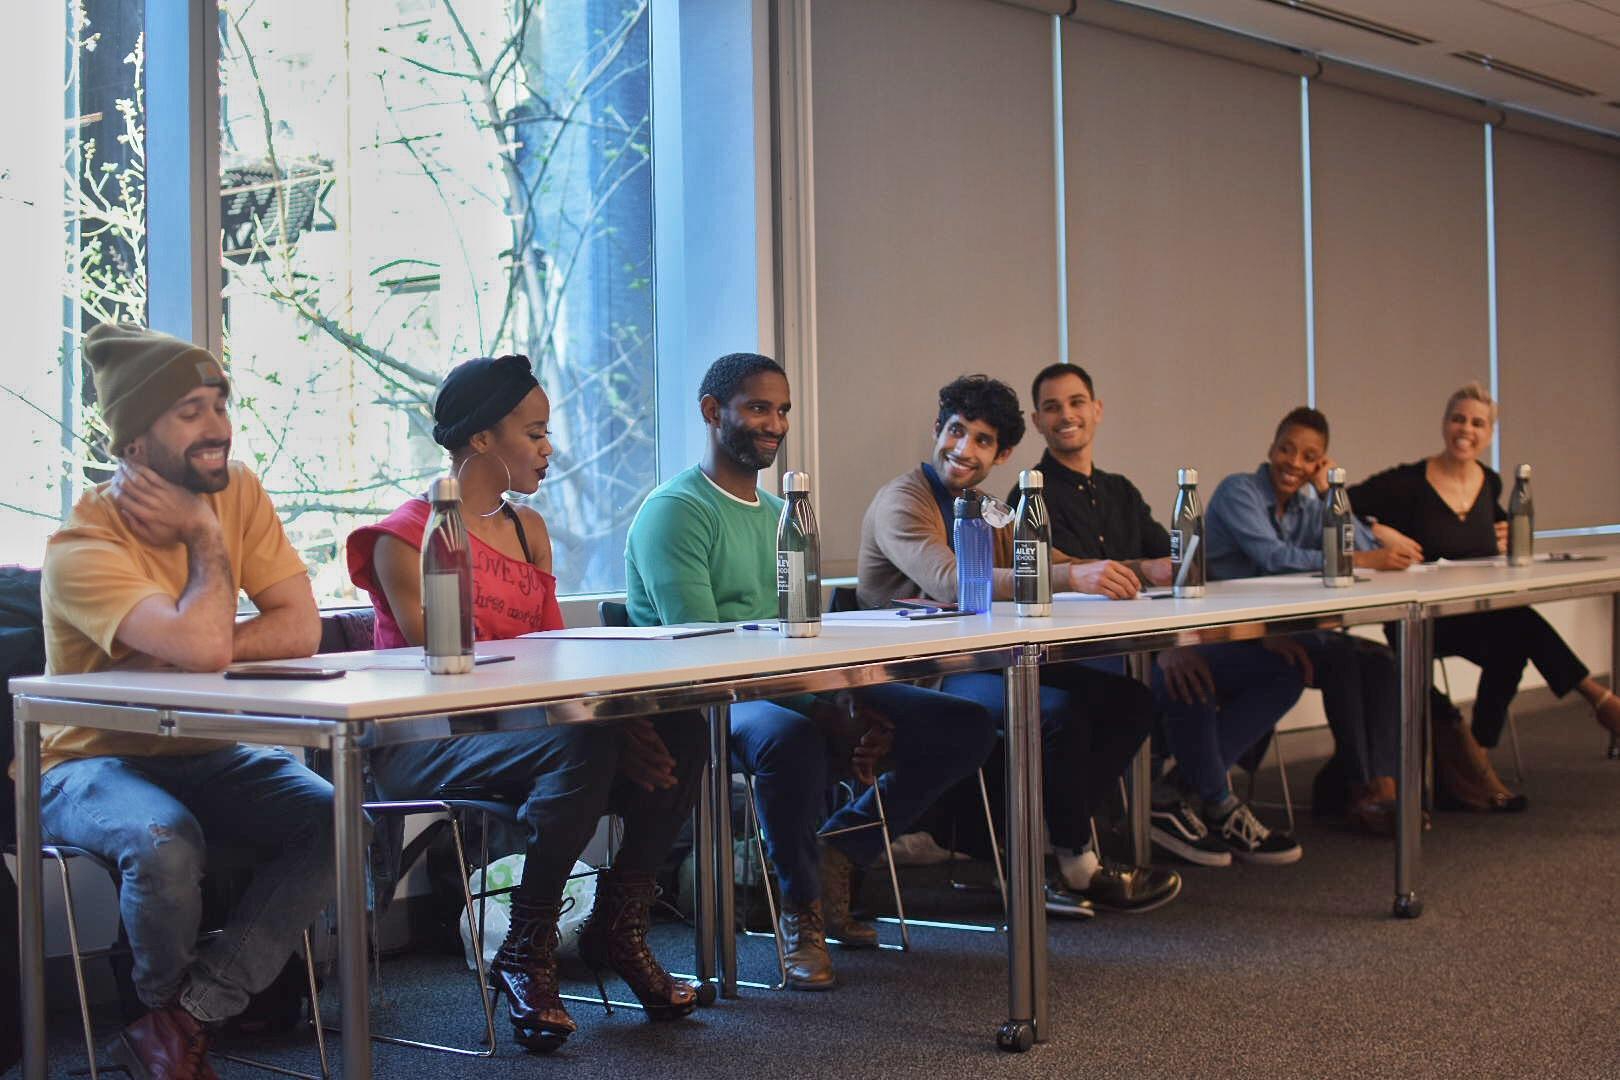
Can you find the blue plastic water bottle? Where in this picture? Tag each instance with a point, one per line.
(973, 556)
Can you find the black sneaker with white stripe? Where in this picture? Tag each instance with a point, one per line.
(1250, 841)
(1177, 828)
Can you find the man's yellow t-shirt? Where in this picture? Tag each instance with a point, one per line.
(96, 571)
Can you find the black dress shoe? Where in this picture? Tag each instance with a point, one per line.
(1064, 901)
(1130, 889)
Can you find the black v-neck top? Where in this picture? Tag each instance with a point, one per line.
(1101, 516)
(1403, 499)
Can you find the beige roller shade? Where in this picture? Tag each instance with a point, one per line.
(936, 248)
(1558, 311)
(1402, 303)
(1185, 253)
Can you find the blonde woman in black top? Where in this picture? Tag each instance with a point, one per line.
(1450, 504)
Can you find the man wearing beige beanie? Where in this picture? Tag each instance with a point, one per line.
(146, 572)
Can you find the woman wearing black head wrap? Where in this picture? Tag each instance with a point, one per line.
(493, 418)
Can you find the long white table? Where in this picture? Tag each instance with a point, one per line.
(587, 681)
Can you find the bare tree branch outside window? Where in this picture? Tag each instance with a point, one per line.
(404, 184)
(422, 182)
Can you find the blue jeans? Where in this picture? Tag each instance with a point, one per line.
(563, 779)
(156, 818)
(938, 740)
(1092, 722)
(1361, 694)
(1254, 687)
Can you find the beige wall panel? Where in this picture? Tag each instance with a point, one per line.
(936, 248)
(1185, 254)
(1558, 318)
(1402, 304)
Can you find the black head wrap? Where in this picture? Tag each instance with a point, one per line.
(476, 395)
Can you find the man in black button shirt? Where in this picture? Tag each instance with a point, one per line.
(1218, 701)
(1102, 513)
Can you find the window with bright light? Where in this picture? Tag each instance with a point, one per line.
(408, 183)
(73, 215)
(403, 184)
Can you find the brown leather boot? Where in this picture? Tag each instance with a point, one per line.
(165, 1044)
(836, 873)
(1372, 806)
(525, 970)
(808, 965)
(615, 936)
(1464, 774)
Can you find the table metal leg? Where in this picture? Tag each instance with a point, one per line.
(1036, 804)
(350, 827)
(725, 906)
(1139, 779)
(30, 899)
(1023, 713)
(703, 887)
(1412, 644)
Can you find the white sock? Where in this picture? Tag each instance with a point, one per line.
(1078, 867)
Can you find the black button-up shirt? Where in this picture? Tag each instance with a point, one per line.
(1101, 516)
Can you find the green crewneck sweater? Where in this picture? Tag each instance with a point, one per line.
(698, 554)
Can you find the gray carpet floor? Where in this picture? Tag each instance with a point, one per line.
(1253, 972)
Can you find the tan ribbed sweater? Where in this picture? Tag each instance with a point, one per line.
(905, 551)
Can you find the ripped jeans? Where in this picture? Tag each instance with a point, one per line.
(156, 818)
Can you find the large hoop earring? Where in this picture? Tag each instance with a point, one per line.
(500, 501)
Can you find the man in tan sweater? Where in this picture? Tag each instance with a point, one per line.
(1092, 722)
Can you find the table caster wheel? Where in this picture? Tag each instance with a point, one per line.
(1408, 907)
(706, 994)
(1016, 1036)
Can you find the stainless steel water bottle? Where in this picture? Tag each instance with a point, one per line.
(1521, 521)
(1032, 547)
(798, 560)
(1338, 534)
(447, 593)
(1187, 537)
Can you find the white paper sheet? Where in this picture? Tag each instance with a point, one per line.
(1157, 593)
(629, 633)
(886, 617)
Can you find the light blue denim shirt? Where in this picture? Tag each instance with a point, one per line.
(1246, 538)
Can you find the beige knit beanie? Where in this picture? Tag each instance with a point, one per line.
(140, 373)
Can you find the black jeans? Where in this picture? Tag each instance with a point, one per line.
(1092, 723)
(1501, 643)
(564, 778)
(1361, 695)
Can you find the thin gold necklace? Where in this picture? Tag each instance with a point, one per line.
(1458, 495)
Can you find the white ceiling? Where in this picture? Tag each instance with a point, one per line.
(1573, 41)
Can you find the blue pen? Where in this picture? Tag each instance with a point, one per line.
(757, 626)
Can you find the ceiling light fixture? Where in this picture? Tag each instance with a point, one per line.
(1492, 63)
(1346, 18)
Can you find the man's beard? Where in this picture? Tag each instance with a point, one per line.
(739, 443)
(178, 469)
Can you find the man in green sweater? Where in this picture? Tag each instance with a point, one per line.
(703, 549)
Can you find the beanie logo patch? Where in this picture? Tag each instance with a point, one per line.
(208, 373)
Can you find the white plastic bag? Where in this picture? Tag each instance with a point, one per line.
(508, 871)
